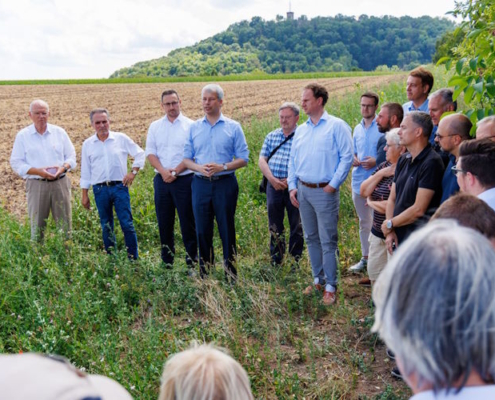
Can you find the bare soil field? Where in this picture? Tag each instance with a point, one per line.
(134, 106)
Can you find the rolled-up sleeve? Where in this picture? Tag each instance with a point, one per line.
(18, 159)
(69, 152)
(240, 146)
(85, 182)
(135, 152)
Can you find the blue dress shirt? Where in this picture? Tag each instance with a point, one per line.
(321, 152)
(409, 106)
(449, 181)
(365, 142)
(219, 143)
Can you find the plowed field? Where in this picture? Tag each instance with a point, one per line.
(134, 106)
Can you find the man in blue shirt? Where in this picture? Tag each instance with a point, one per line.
(365, 140)
(277, 194)
(419, 84)
(320, 159)
(215, 149)
(452, 131)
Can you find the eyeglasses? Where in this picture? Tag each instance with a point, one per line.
(440, 137)
(456, 170)
(368, 106)
(171, 104)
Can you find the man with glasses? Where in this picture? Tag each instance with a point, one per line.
(485, 128)
(172, 183)
(416, 190)
(365, 140)
(274, 164)
(43, 154)
(475, 169)
(452, 131)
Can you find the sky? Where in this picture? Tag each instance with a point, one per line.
(64, 39)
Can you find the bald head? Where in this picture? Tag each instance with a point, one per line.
(456, 124)
(485, 129)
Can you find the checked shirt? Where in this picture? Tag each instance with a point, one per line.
(279, 163)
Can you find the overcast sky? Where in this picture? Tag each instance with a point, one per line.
(55, 39)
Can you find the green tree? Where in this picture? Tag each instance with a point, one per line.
(473, 62)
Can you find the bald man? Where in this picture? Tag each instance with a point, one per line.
(485, 128)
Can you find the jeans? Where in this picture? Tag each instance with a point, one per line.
(216, 199)
(168, 198)
(277, 201)
(107, 198)
(320, 216)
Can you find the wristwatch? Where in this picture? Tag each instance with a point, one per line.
(225, 166)
(174, 173)
(135, 171)
(389, 224)
(65, 169)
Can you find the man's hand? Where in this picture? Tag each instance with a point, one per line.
(293, 198)
(385, 230)
(85, 199)
(211, 169)
(167, 176)
(329, 189)
(391, 242)
(50, 173)
(368, 162)
(355, 161)
(278, 184)
(128, 179)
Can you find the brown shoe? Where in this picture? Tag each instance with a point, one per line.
(365, 281)
(328, 298)
(311, 288)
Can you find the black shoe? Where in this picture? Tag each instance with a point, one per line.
(390, 354)
(396, 373)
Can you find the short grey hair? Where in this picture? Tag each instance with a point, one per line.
(98, 111)
(213, 88)
(393, 135)
(447, 96)
(423, 120)
(435, 305)
(39, 102)
(486, 120)
(289, 104)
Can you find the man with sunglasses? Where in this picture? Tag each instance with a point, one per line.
(452, 131)
(172, 183)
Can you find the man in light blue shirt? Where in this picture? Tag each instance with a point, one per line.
(216, 147)
(419, 84)
(320, 159)
(365, 140)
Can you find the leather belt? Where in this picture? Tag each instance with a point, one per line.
(52, 180)
(213, 178)
(108, 183)
(314, 185)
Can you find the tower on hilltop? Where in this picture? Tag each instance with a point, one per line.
(290, 14)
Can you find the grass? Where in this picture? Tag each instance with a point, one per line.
(123, 319)
(240, 77)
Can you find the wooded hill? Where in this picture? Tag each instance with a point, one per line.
(321, 44)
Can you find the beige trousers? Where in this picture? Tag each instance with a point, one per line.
(46, 196)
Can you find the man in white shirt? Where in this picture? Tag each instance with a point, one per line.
(43, 154)
(475, 169)
(104, 166)
(165, 150)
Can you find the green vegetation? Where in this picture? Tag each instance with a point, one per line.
(473, 60)
(321, 44)
(253, 76)
(123, 319)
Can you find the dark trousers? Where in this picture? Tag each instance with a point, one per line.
(277, 201)
(216, 199)
(168, 198)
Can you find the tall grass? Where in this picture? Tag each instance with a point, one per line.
(119, 318)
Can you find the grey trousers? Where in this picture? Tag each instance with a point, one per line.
(46, 196)
(320, 215)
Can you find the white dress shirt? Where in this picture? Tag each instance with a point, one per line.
(32, 150)
(488, 196)
(107, 161)
(166, 141)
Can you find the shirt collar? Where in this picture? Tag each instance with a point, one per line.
(111, 136)
(412, 108)
(372, 123)
(33, 129)
(178, 120)
(421, 155)
(323, 117)
(222, 118)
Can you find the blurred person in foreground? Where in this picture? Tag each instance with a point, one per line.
(41, 377)
(204, 372)
(469, 211)
(435, 309)
(376, 189)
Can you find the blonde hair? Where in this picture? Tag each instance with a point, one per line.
(204, 372)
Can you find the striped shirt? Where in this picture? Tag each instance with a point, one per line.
(279, 163)
(381, 192)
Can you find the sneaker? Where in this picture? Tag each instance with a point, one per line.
(309, 290)
(390, 354)
(362, 264)
(396, 373)
(365, 282)
(329, 298)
